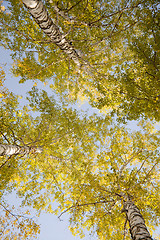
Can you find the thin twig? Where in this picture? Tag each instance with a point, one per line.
(73, 6)
(5, 162)
(5, 137)
(127, 162)
(131, 180)
(55, 178)
(16, 216)
(57, 138)
(150, 171)
(47, 66)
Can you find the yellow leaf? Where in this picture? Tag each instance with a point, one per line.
(35, 84)
(2, 8)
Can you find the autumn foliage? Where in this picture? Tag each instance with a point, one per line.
(105, 53)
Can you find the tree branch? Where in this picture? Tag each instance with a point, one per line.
(82, 205)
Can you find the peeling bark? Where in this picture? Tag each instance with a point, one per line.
(41, 16)
(15, 150)
(138, 229)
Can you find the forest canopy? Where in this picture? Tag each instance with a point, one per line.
(113, 52)
(98, 170)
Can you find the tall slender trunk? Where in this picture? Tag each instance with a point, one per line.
(138, 229)
(14, 150)
(41, 16)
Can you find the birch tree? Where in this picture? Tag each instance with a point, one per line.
(14, 150)
(138, 229)
(31, 147)
(96, 51)
(95, 182)
(121, 178)
(14, 223)
(40, 14)
(88, 166)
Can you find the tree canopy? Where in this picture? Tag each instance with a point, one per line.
(93, 166)
(87, 165)
(115, 47)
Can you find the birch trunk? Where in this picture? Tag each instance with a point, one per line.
(40, 14)
(14, 150)
(138, 229)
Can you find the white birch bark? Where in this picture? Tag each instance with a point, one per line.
(41, 16)
(138, 229)
(14, 150)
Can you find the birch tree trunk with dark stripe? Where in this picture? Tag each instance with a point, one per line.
(138, 229)
(14, 150)
(41, 16)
